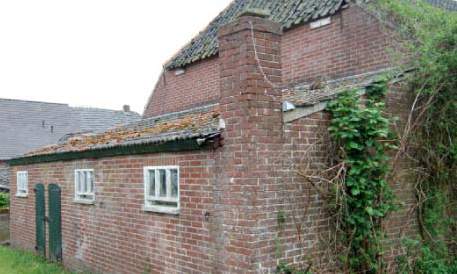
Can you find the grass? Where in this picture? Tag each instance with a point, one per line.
(20, 262)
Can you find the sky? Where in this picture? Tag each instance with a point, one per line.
(93, 53)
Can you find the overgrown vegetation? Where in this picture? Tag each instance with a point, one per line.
(18, 262)
(4, 200)
(363, 198)
(430, 137)
(360, 196)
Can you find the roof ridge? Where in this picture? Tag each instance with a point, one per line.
(200, 33)
(33, 101)
(288, 13)
(98, 108)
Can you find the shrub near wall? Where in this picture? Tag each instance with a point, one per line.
(4, 217)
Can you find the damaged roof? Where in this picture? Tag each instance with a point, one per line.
(27, 125)
(310, 94)
(196, 126)
(288, 13)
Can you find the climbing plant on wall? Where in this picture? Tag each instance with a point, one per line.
(361, 133)
(430, 38)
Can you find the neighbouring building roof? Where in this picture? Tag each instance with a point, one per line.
(288, 13)
(27, 125)
(446, 4)
(174, 132)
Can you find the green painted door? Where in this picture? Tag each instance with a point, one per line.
(55, 223)
(40, 220)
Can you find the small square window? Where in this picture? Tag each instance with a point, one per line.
(84, 186)
(22, 178)
(161, 189)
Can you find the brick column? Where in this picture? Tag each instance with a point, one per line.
(251, 108)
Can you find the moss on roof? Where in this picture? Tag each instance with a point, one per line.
(146, 132)
(288, 13)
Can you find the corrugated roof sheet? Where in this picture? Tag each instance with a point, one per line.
(286, 12)
(148, 131)
(26, 125)
(304, 95)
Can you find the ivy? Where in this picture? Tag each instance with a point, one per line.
(362, 132)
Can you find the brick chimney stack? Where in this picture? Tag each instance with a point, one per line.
(250, 105)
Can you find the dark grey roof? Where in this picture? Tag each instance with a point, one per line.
(446, 4)
(286, 12)
(27, 125)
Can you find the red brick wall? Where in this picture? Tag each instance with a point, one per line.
(245, 186)
(197, 86)
(115, 235)
(304, 238)
(353, 43)
(252, 112)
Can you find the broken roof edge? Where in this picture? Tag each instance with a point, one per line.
(297, 111)
(178, 145)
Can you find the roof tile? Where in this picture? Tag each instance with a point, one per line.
(147, 131)
(286, 12)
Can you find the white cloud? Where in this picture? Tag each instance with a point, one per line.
(98, 53)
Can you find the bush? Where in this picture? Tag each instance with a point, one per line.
(4, 200)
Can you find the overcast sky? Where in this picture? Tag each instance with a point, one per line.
(97, 53)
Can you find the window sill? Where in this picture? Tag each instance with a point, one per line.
(22, 195)
(161, 209)
(84, 202)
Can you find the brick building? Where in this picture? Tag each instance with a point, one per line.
(197, 186)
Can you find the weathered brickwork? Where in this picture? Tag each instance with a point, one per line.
(252, 111)
(304, 237)
(115, 235)
(352, 44)
(244, 206)
(197, 86)
(4, 174)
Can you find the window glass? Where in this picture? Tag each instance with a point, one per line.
(161, 187)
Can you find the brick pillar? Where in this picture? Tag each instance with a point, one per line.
(251, 109)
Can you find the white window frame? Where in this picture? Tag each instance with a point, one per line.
(87, 197)
(150, 199)
(22, 187)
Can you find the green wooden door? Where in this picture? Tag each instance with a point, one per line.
(40, 220)
(55, 226)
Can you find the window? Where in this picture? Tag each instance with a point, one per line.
(84, 186)
(161, 189)
(22, 184)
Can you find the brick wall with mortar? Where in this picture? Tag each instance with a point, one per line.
(246, 186)
(353, 43)
(304, 237)
(252, 111)
(198, 85)
(115, 235)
